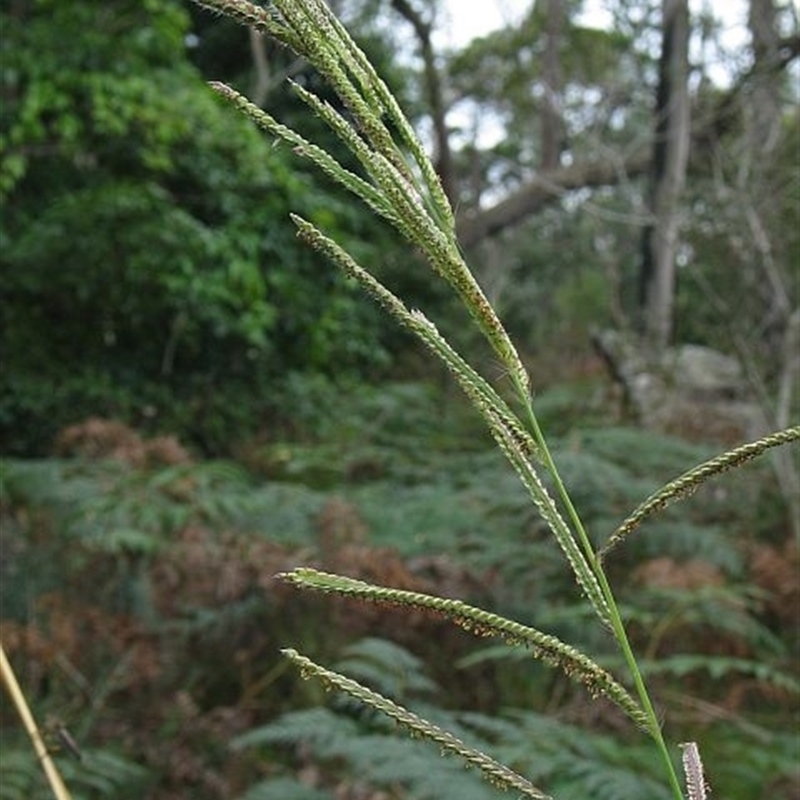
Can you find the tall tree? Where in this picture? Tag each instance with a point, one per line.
(535, 79)
(552, 81)
(434, 91)
(753, 200)
(499, 70)
(667, 177)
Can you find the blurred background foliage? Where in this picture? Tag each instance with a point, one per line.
(141, 610)
(149, 269)
(191, 402)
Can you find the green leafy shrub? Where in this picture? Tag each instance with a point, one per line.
(139, 279)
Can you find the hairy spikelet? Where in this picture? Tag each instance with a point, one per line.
(498, 774)
(691, 480)
(332, 168)
(585, 576)
(412, 201)
(475, 386)
(696, 786)
(549, 649)
(258, 17)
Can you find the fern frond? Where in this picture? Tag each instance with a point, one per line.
(386, 667)
(721, 668)
(498, 774)
(284, 788)
(545, 647)
(689, 482)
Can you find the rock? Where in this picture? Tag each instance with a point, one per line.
(705, 373)
(691, 390)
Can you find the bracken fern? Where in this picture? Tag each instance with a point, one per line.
(399, 184)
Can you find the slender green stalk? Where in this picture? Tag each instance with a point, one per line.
(616, 622)
(654, 727)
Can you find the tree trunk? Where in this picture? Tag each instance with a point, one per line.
(544, 189)
(765, 102)
(667, 179)
(261, 80)
(762, 113)
(443, 158)
(552, 119)
(548, 186)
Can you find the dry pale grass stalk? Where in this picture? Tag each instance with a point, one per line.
(18, 698)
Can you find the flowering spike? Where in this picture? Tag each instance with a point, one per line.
(696, 786)
(499, 775)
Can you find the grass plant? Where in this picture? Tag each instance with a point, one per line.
(397, 181)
